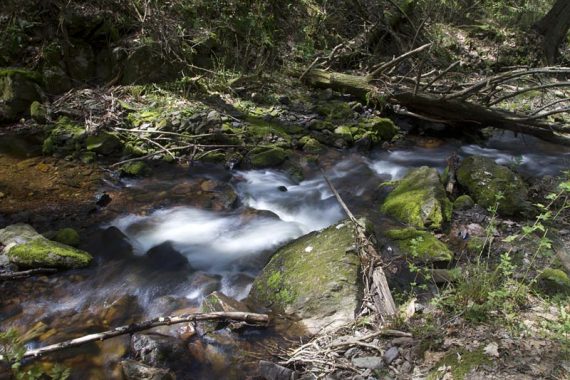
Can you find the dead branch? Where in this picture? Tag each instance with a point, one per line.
(549, 105)
(26, 273)
(524, 90)
(397, 60)
(376, 286)
(251, 318)
(441, 75)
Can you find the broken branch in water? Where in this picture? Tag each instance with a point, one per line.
(251, 318)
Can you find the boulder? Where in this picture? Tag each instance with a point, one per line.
(419, 200)
(264, 157)
(104, 143)
(484, 180)
(67, 236)
(134, 169)
(218, 301)
(463, 202)
(134, 370)
(66, 137)
(315, 277)
(26, 248)
(158, 350)
(164, 257)
(146, 65)
(420, 245)
(18, 90)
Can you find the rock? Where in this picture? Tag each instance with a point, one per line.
(214, 118)
(38, 112)
(382, 128)
(67, 236)
(218, 301)
(463, 202)
(369, 362)
(420, 245)
(272, 371)
(105, 143)
(344, 132)
(311, 145)
(146, 65)
(26, 248)
(122, 310)
(205, 283)
(320, 286)
(484, 180)
(390, 355)
(134, 169)
(264, 157)
(18, 90)
(57, 81)
(419, 199)
(65, 138)
(134, 370)
(111, 244)
(164, 257)
(554, 281)
(80, 61)
(159, 350)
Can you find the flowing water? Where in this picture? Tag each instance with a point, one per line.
(225, 248)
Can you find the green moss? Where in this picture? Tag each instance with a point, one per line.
(18, 90)
(335, 110)
(214, 157)
(67, 137)
(67, 236)
(30, 75)
(554, 281)
(41, 252)
(344, 131)
(38, 112)
(419, 200)
(105, 143)
(463, 202)
(134, 169)
(131, 148)
(264, 157)
(311, 145)
(461, 362)
(383, 128)
(316, 273)
(421, 245)
(485, 180)
(475, 245)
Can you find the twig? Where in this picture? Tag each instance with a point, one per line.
(519, 92)
(257, 319)
(541, 115)
(163, 132)
(440, 75)
(549, 105)
(25, 273)
(397, 60)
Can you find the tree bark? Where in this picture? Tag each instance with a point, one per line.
(553, 28)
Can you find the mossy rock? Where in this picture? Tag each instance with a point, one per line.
(28, 249)
(104, 143)
(315, 277)
(460, 363)
(419, 200)
(215, 157)
(381, 127)
(68, 236)
(344, 132)
(65, 138)
(80, 61)
(420, 245)
(265, 157)
(38, 112)
(131, 148)
(554, 281)
(484, 180)
(335, 110)
(18, 90)
(312, 146)
(135, 169)
(56, 79)
(463, 202)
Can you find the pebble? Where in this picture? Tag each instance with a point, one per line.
(391, 354)
(370, 362)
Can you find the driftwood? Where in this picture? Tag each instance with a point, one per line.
(251, 318)
(376, 290)
(453, 110)
(26, 273)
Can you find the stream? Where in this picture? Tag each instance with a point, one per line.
(159, 260)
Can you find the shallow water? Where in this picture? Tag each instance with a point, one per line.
(232, 245)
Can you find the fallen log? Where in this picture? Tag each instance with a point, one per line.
(455, 111)
(252, 318)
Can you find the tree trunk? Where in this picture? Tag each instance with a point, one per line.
(553, 28)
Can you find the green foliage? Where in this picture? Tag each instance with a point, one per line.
(12, 350)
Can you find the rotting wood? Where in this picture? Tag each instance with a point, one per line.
(251, 318)
(376, 286)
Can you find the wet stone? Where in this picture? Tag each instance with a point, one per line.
(369, 362)
(391, 354)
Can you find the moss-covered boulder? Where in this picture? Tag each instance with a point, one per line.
(383, 128)
(420, 245)
(18, 90)
(38, 112)
(104, 143)
(554, 281)
(485, 180)
(135, 169)
(335, 110)
(463, 202)
(26, 248)
(68, 236)
(311, 145)
(315, 277)
(66, 137)
(419, 200)
(265, 157)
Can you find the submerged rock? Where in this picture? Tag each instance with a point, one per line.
(419, 199)
(420, 245)
(315, 277)
(484, 180)
(134, 370)
(67, 236)
(218, 301)
(158, 350)
(26, 248)
(165, 257)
